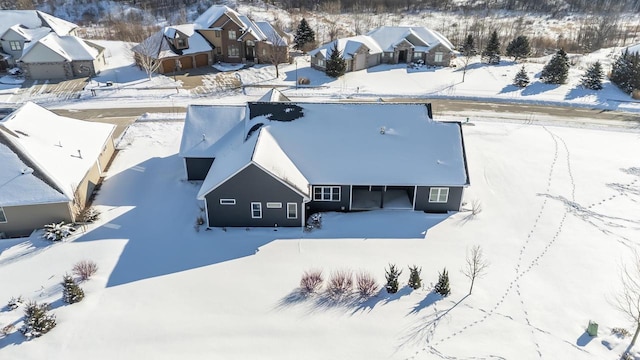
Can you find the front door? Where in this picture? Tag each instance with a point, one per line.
(402, 56)
(250, 50)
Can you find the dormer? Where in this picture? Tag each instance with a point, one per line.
(181, 41)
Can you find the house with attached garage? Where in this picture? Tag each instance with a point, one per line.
(388, 45)
(51, 166)
(275, 163)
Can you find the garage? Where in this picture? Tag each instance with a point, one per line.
(41, 71)
(186, 63)
(202, 60)
(360, 62)
(168, 66)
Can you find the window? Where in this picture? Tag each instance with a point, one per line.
(438, 57)
(233, 50)
(219, 51)
(264, 51)
(417, 55)
(274, 205)
(182, 43)
(292, 211)
(326, 193)
(250, 43)
(3, 217)
(227, 201)
(320, 62)
(15, 45)
(217, 33)
(256, 210)
(232, 34)
(439, 195)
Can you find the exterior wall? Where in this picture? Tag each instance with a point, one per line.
(405, 46)
(22, 220)
(210, 35)
(197, 168)
(107, 154)
(373, 60)
(263, 53)
(446, 56)
(342, 205)
(226, 42)
(252, 185)
(84, 190)
(454, 203)
(8, 36)
(79, 68)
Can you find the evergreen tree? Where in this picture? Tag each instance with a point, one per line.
(414, 277)
(304, 35)
(37, 320)
(469, 46)
(335, 65)
(521, 79)
(491, 53)
(592, 78)
(442, 287)
(557, 69)
(625, 72)
(519, 48)
(392, 275)
(71, 292)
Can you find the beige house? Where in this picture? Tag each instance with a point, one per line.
(391, 45)
(50, 163)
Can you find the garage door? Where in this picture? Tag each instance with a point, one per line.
(47, 71)
(168, 65)
(202, 60)
(361, 62)
(186, 63)
(373, 60)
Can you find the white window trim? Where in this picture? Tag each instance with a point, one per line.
(236, 48)
(435, 193)
(294, 207)
(227, 201)
(438, 57)
(259, 208)
(15, 45)
(4, 216)
(274, 205)
(324, 189)
(235, 36)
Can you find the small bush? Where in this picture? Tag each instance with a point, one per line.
(620, 332)
(57, 232)
(303, 81)
(6, 330)
(367, 285)
(392, 275)
(414, 277)
(311, 281)
(314, 222)
(71, 292)
(89, 215)
(476, 207)
(15, 302)
(442, 287)
(340, 283)
(37, 320)
(85, 269)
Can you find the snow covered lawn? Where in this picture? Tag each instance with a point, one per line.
(560, 214)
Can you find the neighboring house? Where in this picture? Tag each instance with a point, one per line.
(633, 49)
(50, 165)
(388, 44)
(283, 161)
(46, 47)
(219, 34)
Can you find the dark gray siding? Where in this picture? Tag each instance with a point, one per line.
(252, 185)
(197, 168)
(342, 205)
(454, 203)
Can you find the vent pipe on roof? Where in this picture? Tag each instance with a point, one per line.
(383, 130)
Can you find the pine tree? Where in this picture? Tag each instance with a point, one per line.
(414, 277)
(521, 79)
(491, 53)
(442, 287)
(519, 48)
(557, 69)
(71, 292)
(304, 35)
(624, 73)
(37, 320)
(392, 275)
(469, 46)
(335, 65)
(592, 78)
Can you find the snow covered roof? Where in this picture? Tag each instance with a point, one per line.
(388, 36)
(270, 33)
(33, 19)
(345, 144)
(158, 45)
(251, 28)
(348, 46)
(30, 34)
(273, 95)
(71, 48)
(633, 49)
(205, 125)
(57, 150)
(207, 18)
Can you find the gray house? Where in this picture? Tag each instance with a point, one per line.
(286, 160)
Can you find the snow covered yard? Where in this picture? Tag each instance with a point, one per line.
(559, 217)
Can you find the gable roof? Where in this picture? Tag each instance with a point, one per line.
(389, 36)
(159, 45)
(28, 34)
(348, 46)
(271, 34)
(33, 19)
(205, 125)
(71, 48)
(215, 12)
(274, 95)
(345, 144)
(49, 145)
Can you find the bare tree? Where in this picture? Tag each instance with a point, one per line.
(476, 265)
(277, 48)
(628, 302)
(146, 53)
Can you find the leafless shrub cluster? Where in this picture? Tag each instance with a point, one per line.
(311, 281)
(340, 283)
(366, 284)
(85, 269)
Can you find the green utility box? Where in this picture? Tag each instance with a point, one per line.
(592, 329)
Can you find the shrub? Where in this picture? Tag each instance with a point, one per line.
(521, 79)
(71, 292)
(442, 287)
(89, 215)
(367, 285)
(620, 332)
(6, 330)
(85, 269)
(303, 81)
(340, 282)
(37, 320)
(314, 222)
(392, 275)
(414, 277)
(57, 232)
(15, 302)
(311, 281)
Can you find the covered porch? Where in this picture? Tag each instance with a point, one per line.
(369, 197)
